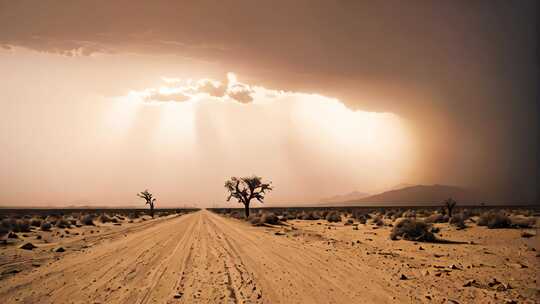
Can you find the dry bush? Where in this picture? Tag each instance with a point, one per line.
(46, 226)
(409, 214)
(238, 215)
(458, 220)
(36, 222)
(333, 217)
(62, 223)
(269, 218)
(412, 230)
(522, 222)
(104, 218)
(377, 221)
(436, 218)
(254, 219)
(494, 220)
(17, 225)
(87, 220)
(290, 216)
(310, 216)
(5, 227)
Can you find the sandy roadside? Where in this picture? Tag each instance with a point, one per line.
(206, 258)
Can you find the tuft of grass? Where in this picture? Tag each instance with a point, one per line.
(412, 230)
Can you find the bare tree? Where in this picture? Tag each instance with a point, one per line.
(450, 204)
(244, 189)
(149, 200)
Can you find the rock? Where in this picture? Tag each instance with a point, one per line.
(59, 249)
(12, 235)
(279, 233)
(526, 234)
(510, 301)
(469, 283)
(36, 264)
(28, 246)
(454, 267)
(178, 295)
(493, 282)
(403, 277)
(421, 248)
(38, 237)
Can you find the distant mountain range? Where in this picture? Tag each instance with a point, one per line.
(414, 194)
(355, 195)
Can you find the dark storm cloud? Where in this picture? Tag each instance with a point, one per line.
(465, 73)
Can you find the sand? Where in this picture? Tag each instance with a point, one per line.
(207, 258)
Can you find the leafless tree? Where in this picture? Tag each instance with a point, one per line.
(149, 200)
(244, 189)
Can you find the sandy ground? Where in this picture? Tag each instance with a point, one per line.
(206, 258)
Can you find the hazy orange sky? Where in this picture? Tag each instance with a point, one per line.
(101, 100)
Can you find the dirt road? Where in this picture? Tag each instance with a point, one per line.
(199, 257)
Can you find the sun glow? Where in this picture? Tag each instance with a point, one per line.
(206, 120)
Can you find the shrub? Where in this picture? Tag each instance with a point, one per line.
(436, 218)
(310, 216)
(22, 225)
(269, 218)
(4, 227)
(522, 222)
(104, 218)
(87, 220)
(46, 226)
(409, 214)
(377, 221)
(62, 223)
(290, 216)
(237, 215)
(458, 220)
(254, 219)
(333, 217)
(36, 222)
(494, 220)
(412, 230)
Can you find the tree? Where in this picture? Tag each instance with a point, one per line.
(450, 204)
(244, 189)
(149, 200)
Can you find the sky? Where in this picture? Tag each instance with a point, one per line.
(102, 99)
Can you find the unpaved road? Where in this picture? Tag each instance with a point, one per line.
(199, 257)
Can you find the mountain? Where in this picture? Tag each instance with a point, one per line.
(422, 194)
(352, 196)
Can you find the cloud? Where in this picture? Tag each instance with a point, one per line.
(163, 96)
(176, 91)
